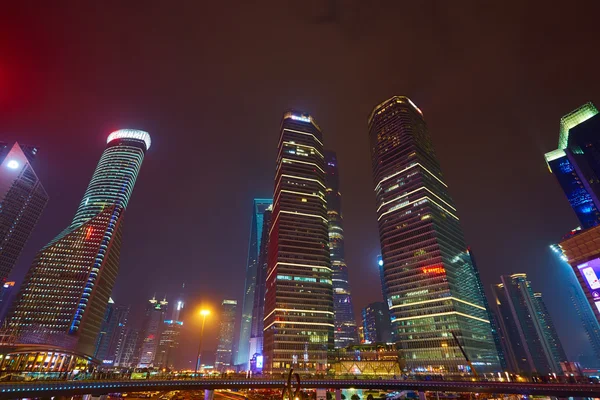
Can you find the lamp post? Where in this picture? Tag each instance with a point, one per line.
(204, 314)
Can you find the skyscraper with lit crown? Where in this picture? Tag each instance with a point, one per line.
(345, 332)
(63, 298)
(224, 353)
(298, 323)
(430, 281)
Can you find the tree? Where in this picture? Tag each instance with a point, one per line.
(355, 397)
(370, 397)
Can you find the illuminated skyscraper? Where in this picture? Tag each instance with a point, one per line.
(169, 337)
(226, 328)
(22, 200)
(299, 320)
(151, 330)
(532, 344)
(63, 298)
(112, 333)
(576, 162)
(345, 332)
(429, 278)
(243, 348)
(258, 309)
(376, 323)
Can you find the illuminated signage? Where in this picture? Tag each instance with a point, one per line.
(108, 361)
(433, 270)
(259, 362)
(300, 118)
(589, 272)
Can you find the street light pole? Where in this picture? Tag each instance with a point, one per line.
(204, 313)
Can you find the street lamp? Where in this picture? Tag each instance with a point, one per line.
(204, 314)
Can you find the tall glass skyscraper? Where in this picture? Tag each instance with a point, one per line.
(152, 327)
(345, 332)
(243, 349)
(22, 200)
(224, 354)
(299, 319)
(63, 298)
(258, 308)
(576, 162)
(532, 344)
(430, 280)
(112, 333)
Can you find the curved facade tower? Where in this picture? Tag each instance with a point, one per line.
(430, 281)
(298, 323)
(63, 298)
(345, 332)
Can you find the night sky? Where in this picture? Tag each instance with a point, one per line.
(210, 80)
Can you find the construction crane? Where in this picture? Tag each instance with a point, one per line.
(465, 355)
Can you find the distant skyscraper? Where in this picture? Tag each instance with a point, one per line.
(22, 200)
(151, 330)
(169, 338)
(376, 323)
(345, 332)
(112, 333)
(258, 309)
(430, 281)
(128, 355)
(531, 345)
(7, 295)
(382, 278)
(299, 320)
(77, 269)
(243, 352)
(576, 162)
(226, 328)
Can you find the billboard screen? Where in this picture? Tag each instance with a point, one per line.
(590, 272)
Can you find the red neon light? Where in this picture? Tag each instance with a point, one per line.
(88, 232)
(434, 270)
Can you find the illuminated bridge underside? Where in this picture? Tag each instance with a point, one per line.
(49, 389)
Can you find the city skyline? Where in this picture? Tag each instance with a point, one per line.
(496, 149)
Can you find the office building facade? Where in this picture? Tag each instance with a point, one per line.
(430, 281)
(223, 359)
(170, 336)
(376, 323)
(258, 308)
(22, 200)
(63, 298)
(345, 332)
(112, 333)
(531, 344)
(299, 321)
(243, 348)
(152, 327)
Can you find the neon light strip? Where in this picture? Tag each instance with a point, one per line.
(302, 194)
(302, 162)
(297, 323)
(444, 313)
(406, 169)
(304, 179)
(303, 214)
(415, 201)
(297, 265)
(305, 145)
(436, 300)
(304, 133)
(297, 310)
(409, 193)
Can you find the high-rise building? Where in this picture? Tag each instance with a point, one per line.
(430, 280)
(531, 345)
(376, 323)
(583, 309)
(226, 328)
(63, 298)
(243, 348)
(299, 321)
(345, 332)
(128, 355)
(576, 162)
(382, 278)
(22, 200)
(112, 333)
(169, 338)
(7, 295)
(258, 309)
(151, 330)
